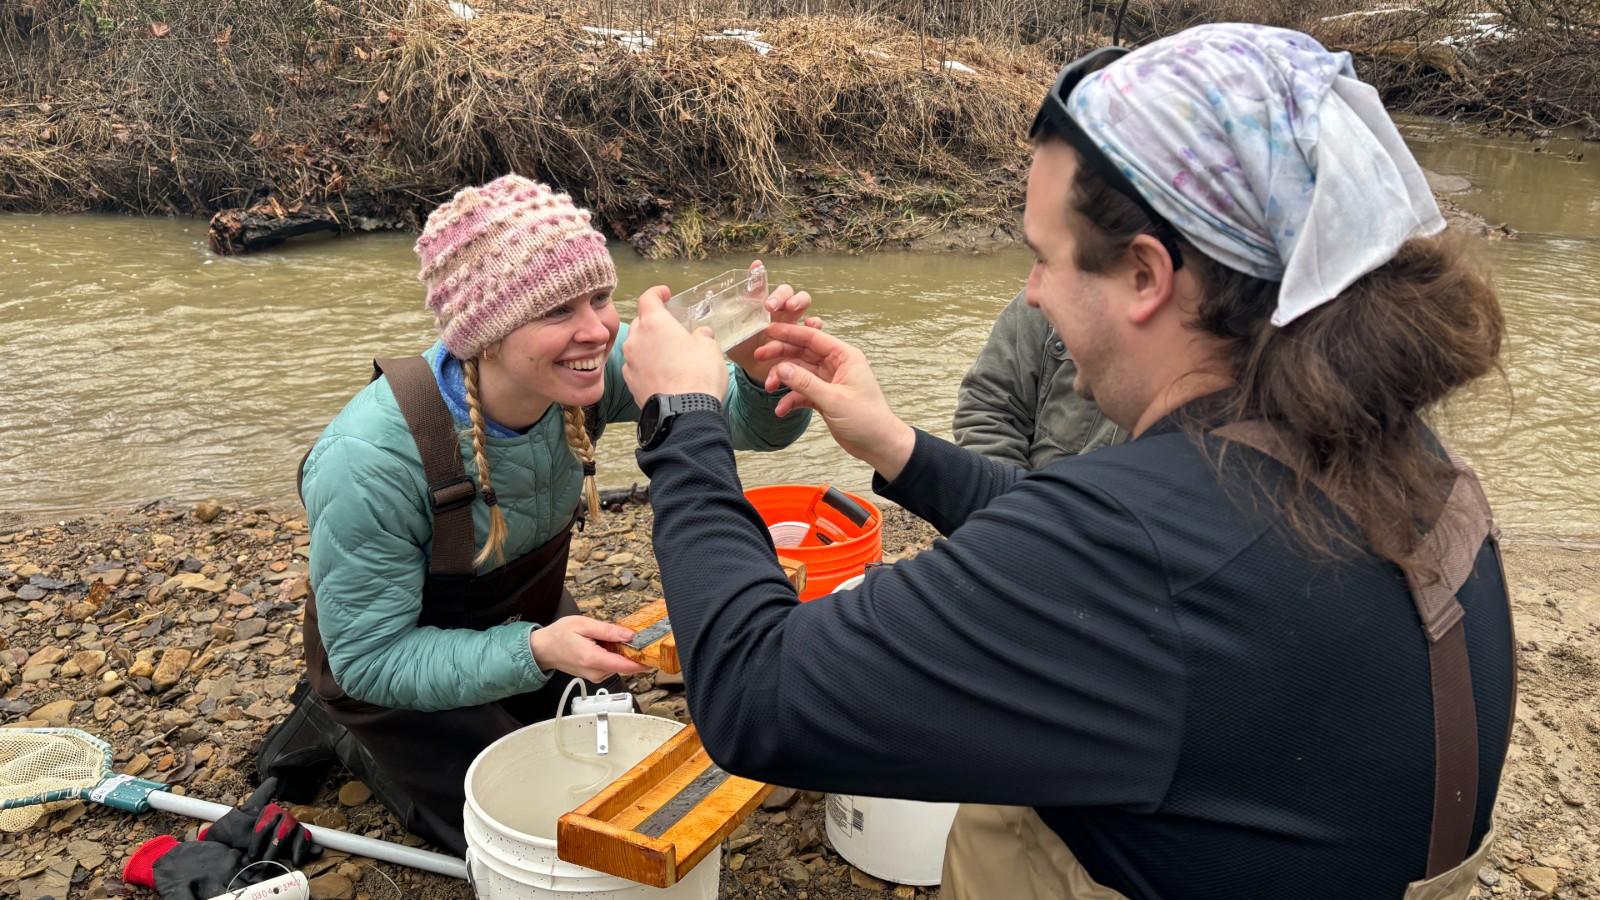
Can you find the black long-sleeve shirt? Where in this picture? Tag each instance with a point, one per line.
(1128, 641)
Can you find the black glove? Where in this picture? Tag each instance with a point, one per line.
(263, 830)
(191, 870)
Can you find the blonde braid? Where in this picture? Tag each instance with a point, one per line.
(583, 449)
(494, 545)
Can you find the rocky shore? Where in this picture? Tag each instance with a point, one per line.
(173, 632)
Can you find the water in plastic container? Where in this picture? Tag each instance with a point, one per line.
(732, 304)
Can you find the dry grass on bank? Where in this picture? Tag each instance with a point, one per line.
(849, 133)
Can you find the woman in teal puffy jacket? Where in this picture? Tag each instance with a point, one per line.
(441, 502)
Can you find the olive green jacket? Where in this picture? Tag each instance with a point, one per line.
(372, 530)
(1016, 403)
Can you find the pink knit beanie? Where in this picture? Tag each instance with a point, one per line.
(497, 257)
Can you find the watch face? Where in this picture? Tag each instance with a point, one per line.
(649, 417)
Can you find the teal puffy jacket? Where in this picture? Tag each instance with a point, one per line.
(371, 527)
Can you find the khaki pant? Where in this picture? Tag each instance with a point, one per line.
(1009, 853)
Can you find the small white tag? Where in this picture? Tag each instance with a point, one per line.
(602, 704)
(103, 789)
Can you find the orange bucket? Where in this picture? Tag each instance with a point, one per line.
(835, 533)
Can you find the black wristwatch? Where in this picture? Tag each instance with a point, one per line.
(655, 418)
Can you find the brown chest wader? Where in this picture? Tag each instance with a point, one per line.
(415, 762)
(1009, 853)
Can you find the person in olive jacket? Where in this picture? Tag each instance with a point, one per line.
(1017, 404)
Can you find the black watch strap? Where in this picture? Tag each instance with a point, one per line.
(684, 403)
(666, 407)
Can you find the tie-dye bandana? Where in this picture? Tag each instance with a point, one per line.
(1265, 151)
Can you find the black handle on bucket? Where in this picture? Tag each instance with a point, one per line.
(852, 510)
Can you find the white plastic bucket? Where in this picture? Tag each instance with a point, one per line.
(520, 785)
(895, 840)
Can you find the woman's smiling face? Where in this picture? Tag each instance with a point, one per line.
(561, 356)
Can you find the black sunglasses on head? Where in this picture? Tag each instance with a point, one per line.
(1054, 119)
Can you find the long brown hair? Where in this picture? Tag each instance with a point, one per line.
(577, 435)
(1346, 385)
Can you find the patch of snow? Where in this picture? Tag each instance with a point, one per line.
(1365, 13)
(741, 34)
(636, 40)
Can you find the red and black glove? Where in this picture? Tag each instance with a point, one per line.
(191, 870)
(263, 830)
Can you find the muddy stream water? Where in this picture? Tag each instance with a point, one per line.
(137, 365)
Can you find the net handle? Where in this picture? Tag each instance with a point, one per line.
(344, 842)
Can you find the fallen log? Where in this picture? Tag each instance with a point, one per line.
(235, 231)
(1441, 58)
(617, 498)
(269, 222)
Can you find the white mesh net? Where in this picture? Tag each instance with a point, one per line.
(41, 766)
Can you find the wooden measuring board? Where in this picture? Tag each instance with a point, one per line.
(661, 818)
(653, 644)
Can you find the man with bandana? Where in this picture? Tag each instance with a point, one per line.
(1261, 649)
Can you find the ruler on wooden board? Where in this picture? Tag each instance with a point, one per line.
(653, 644)
(661, 818)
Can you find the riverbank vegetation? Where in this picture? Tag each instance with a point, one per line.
(689, 127)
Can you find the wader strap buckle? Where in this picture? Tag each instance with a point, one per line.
(453, 495)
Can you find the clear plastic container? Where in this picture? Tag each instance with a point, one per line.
(733, 305)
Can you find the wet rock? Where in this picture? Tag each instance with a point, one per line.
(676, 708)
(45, 656)
(89, 854)
(144, 664)
(207, 510)
(89, 662)
(54, 883)
(250, 628)
(332, 886)
(192, 581)
(171, 667)
(109, 684)
(794, 872)
(866, 882)
(780, 798)
(1539, 878)
(354, 793)
(57, 713)
(111, 577)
